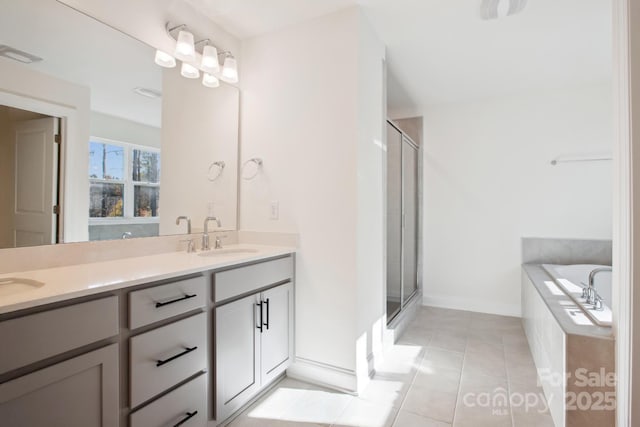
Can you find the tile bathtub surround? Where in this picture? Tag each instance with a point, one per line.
(442, 372)
(566, 251)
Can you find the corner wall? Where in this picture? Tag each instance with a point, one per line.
(488, 182)
(313, 113)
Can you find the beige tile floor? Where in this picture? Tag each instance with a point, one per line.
(450, 368)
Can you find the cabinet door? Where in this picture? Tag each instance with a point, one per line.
(237, 354)
(81, 392)
(277, 332)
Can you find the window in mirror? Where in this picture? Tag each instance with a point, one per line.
(124, 181)
(146, 179)
(106, 174)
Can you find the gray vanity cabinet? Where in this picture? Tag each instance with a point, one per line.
(78, 392)
(237, 351)
(277, 334)
(254, 333)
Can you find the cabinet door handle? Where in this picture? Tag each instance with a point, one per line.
(260, 321)
(187, 351)
(267, 304)
(188, 416)
(162, 304)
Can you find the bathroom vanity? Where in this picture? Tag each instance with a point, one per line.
(168, 339)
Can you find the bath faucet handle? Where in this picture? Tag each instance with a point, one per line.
(218, 243)
(191, 246)
(597, 302)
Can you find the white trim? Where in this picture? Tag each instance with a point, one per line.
(333, 377)
(622, 213)
(468, 304)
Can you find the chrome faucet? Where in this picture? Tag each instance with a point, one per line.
(205, 235)
(186, 218)
(591, 295)
(126, 235)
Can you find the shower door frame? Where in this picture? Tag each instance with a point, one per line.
(405, 139)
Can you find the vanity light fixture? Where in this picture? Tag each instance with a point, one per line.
(189, 71)
(210, 62)
(230, 69)
(209, 80)
(185, 47)
(195, 60)
(165, 60)
(495, 9)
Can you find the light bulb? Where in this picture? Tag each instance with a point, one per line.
(230, 69)
(209, 80)
(185, 49)
(210, 59)
(189, 71)
(163, 59)
(502, 8)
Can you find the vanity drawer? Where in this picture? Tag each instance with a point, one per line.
(165, 356)
(41, 335)
(188, 401)
(150, 305)
(238, 281)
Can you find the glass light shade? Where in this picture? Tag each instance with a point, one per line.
(189, 71)
(185, 48)
(210, 80)
(210, 59)
(230, 69)
(163, 59)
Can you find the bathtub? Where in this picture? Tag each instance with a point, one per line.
(572, 278)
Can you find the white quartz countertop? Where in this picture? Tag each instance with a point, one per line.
(63, 283)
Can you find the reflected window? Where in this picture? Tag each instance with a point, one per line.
(124, 181)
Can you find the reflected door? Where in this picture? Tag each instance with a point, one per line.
(35, 182)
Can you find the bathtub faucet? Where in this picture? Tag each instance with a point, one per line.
(592, 295)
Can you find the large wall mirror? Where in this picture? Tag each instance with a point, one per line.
(97, 142)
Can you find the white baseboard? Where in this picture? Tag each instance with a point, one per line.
(472, 305)
(333, 377)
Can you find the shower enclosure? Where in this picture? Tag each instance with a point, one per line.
(402, 219)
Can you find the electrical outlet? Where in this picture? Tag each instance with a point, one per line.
(275, 210)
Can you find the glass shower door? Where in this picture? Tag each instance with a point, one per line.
(410, 219)
(394, 221)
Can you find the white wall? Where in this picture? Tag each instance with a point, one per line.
(306, 111)
(488, 182)
(123, 130)
(30, 90)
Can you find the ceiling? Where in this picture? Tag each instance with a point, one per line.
(84, 51)
(440, 51)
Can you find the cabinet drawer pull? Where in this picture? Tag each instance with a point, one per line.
(189, 415)
(260, 321)
(162, 304)
(267, 304)
(187, 351)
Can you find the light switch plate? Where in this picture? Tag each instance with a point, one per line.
(275, 209)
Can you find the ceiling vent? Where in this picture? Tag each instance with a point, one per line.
(494, 9)
(149, 93)
(18, 55)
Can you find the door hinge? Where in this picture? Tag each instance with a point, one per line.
(57, 139)
(56, 209)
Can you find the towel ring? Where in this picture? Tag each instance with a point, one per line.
(258, 165)
(215, 170)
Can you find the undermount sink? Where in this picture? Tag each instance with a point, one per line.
(15, 285)
(229, 251)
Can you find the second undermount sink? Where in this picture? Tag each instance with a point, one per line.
(15, 285)
(228, 251)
